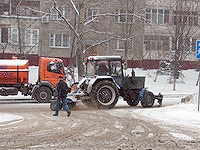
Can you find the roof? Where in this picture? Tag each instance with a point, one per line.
(13, 62)
(104, 58)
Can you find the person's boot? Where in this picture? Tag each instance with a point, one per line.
(56, 114)
(68, 114)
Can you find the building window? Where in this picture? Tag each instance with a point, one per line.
(5, 7)
(26, 11)
(153, 42)
(185, 18)
(187, 44)
(124, 16)
(56, 16)
(14, 36)
(193, 47)
(31, 37)
(59, 40)
(91, 14)
(120, 45)
(4, 35)
(157, 16)
(123, 44)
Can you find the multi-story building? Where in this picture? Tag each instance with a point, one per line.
(136, 30)
(171, 25)
(19, 27)
(104, 28)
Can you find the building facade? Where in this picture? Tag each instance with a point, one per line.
(170, 26)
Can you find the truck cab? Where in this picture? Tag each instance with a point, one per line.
(49, 71)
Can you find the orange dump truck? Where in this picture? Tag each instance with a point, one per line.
(14, 78)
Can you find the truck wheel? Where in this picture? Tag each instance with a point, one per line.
(105, 94)
(148, 100)
(43, 94)
(53, 105)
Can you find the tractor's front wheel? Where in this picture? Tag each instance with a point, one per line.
(132, 99)
(105, 94)
(148, 99)
(133, 102)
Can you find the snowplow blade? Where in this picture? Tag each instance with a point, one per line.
(159, 97)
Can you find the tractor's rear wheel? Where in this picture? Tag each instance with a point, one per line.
(43, 94)
(105, 94)
(148, 100)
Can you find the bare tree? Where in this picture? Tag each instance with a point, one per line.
(96, 20)
(21, 17)
(178, 22)
(132, 28)
(185, 22)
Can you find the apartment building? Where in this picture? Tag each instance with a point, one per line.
(104, 28)
(19, 26)
(171, 25)
(134, 29)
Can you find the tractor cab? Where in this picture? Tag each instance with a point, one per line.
(104, 66)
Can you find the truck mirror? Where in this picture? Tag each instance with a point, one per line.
(124, 66)
(133, 73)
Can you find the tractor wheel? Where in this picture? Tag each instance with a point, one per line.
(148, 100)
(43, 94)
(132, 99)
(133, 102)
(105, 94)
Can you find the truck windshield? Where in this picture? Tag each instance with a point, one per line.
(55, 67)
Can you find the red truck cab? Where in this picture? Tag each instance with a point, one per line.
(50, 69)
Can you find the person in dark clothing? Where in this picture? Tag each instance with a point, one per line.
(62, 90)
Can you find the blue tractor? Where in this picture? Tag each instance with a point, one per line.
(105, 81)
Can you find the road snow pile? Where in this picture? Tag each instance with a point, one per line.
(190, 99)
(184, 114)
(6, 118)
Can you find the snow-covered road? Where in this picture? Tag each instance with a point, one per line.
(172, 112)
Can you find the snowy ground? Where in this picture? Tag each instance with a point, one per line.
(172, 110)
